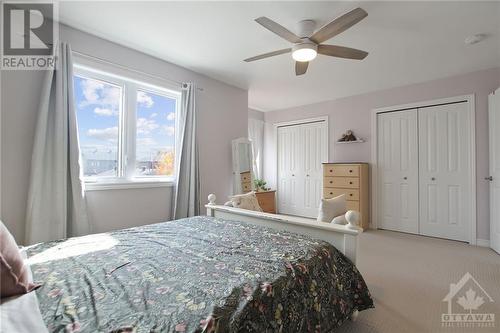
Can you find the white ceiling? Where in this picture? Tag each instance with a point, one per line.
(408, 42)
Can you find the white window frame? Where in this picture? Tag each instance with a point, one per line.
(129, 82)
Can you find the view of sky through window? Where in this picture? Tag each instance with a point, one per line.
(155, 145)
(98, 106)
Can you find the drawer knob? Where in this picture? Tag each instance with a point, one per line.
(350, 183)
(350, 170)
(350, 194)
(331, 182)
(331, 170)
(331, 192)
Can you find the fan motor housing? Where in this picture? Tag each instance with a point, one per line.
(305, 44)
(306, 28)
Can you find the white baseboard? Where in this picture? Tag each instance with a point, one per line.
(483, 242)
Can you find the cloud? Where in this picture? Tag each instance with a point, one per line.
(170, 130)
(90, 89)
(144, 99)
(171, 116)
(145, 126)
(105, 112)
(153, 115)
(107, 134)
(100, 93)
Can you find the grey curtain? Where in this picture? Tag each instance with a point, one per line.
(56, 199)
(187, 189)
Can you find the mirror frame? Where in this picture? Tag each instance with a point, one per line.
(236, 174)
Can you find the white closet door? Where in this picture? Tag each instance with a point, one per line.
(494, 120)
(315, 138)
(301, 150)
(290, 149)
(444, 168)
(398, 171)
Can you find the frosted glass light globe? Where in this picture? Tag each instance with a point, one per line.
(305, 54)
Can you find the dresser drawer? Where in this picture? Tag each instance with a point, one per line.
(344, 182)
(353, 205)
(246, 187)
(245, 176)
(341, 170)
(350, 194)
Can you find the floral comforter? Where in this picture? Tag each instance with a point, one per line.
(198, 274)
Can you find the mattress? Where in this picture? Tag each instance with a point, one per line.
(199, 274)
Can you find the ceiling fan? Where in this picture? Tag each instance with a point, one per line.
(308, 44)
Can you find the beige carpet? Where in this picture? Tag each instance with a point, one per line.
(410, 275)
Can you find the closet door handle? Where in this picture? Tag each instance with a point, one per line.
(405, 178)
(307, 175)
(433, 178)
(490, 178)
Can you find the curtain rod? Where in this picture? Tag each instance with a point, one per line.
(85, 55)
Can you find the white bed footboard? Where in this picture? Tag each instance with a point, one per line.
(340, 236)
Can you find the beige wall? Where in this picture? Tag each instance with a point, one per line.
(218, 104)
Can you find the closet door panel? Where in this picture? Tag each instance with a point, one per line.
(288, 157)
(398, 171)
(444, 171)
(315, 153)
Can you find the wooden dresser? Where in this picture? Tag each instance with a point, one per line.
(352, 180)
(246, 182)
(267, 201)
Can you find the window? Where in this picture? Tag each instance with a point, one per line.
(126, 127)
(98, 105)
(155, 134)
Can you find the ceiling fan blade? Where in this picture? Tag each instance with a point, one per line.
(301, 67)
(341, 52)
(278, 29)
(269, 54)
(338, 25)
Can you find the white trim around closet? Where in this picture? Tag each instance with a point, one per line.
(470, 99)
(292, 123)
(300, 122)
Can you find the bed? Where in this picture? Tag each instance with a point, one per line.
(201, 274)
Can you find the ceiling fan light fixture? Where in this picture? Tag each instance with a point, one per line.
(304, 52)
(308, 43)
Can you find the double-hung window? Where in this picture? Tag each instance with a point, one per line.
(126, 127)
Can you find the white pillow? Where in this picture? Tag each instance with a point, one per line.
(246, 201)
(331, 208)
(228, 203)
(339, 220)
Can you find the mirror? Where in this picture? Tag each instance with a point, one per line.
(242, 166)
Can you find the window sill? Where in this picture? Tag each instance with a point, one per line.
(127, 184)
